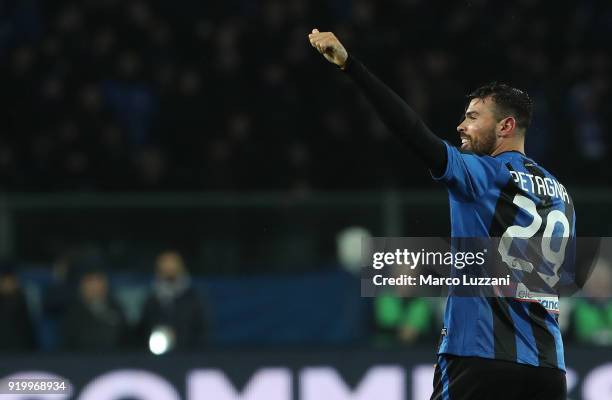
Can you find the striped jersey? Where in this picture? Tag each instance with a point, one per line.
(511, 197)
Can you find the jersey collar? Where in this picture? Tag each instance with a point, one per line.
(510, 153)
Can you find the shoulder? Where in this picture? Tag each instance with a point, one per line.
(469, 175)
(470, 155)
(475, 163)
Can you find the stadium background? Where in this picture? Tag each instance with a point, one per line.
(212, 128)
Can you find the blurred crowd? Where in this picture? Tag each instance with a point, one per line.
(130, 95)
(86, 315)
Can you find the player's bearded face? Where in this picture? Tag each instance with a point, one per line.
(478, 128)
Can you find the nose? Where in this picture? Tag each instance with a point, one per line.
(460, 128)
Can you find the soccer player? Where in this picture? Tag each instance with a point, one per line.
(491, 347)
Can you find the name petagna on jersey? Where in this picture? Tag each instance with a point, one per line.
(540, 186)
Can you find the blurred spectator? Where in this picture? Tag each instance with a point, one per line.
(17, 333)
(95, 322)
(173, 307)
(592, 313)
(63, 289)
(68, 268)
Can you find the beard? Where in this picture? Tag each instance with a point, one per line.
(482, 145)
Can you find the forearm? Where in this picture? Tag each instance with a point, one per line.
(399, 117)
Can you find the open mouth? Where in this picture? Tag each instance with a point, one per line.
(465, 142)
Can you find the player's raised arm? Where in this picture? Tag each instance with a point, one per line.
(394, 111)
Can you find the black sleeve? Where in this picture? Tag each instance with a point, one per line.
(399, 117)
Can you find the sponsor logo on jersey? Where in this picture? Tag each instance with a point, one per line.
(550, 303)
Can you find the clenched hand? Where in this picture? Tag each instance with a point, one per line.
(329, 46)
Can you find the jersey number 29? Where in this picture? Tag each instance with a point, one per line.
(555, 257)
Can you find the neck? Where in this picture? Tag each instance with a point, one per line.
(509, 145)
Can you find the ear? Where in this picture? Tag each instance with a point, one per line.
(507, 126)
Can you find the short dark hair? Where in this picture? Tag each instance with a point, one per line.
(508, 101)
